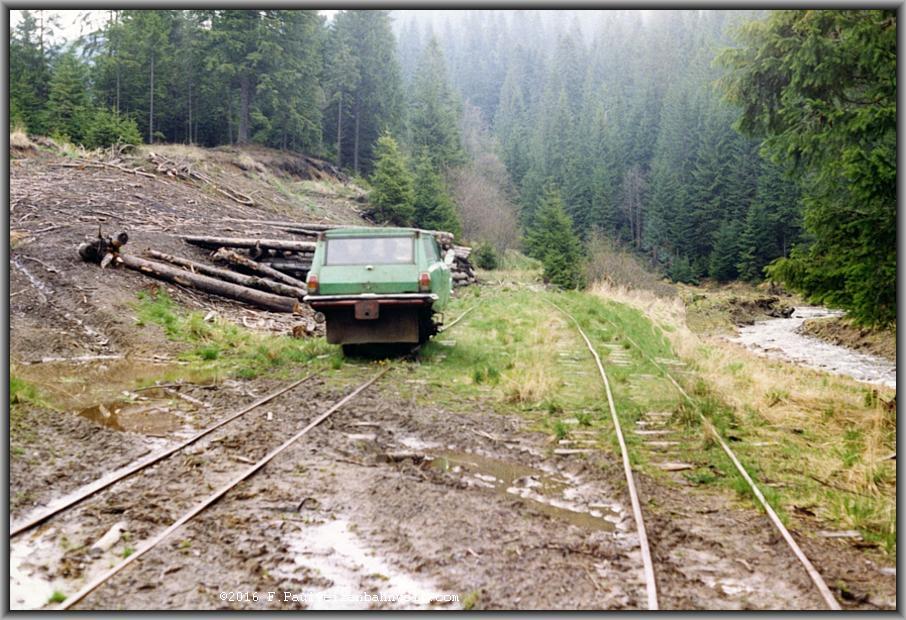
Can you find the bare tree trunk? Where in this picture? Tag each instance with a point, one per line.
(41, 33)
(234, 258)
(243, 109)
(264, 284)
(113, 52)
(340, 131)
(151, 107)
(229, 119)
(268, 301)
(355, 148)
(190, 113)
(250, 242)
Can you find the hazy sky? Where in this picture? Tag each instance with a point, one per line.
(72, 23)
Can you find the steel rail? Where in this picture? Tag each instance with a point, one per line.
(813, 573)
(103, 483)
(648, 565)
(457, 319)
(211, 499)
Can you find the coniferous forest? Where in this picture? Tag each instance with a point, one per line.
(714, 144)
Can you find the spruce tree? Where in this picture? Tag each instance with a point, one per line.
(392, 195)
(29, 73)
(434, 113)
(68, 112)
(434, 209)
(756, 244)
(552, 241)
(725, 253)
(820, 87)
(376, 103)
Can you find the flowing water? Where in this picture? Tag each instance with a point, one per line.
(779, 338)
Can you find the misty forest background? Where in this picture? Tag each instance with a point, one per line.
(721, 144)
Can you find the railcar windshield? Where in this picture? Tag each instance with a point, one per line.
(370, 251)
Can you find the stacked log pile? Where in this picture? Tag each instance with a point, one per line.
(463, 272)
(262, 271)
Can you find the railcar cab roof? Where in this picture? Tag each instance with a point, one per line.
(375, 231)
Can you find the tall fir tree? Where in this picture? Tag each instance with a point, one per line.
(552, 240)
(434, 112)
(434, 209)
(68, 105)
(820, 87)
(392, 195)
(377, 96)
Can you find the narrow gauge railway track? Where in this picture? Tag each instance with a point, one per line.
(647, 564)
(650, 580)
(211, 499)
(108, 481)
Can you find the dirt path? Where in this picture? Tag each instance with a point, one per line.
(59, 306)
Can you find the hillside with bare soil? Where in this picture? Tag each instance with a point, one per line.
(61, 306)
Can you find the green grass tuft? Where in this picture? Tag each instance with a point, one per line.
(56, 597)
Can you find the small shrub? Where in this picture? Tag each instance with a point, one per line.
(561, 429)
(210, 352)
(681, 270)
(107, 128)
(485, 257)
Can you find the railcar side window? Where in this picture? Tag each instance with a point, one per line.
(370, 251)
(431, 253)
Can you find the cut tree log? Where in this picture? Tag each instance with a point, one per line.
(287, 266)
(249, 242)
(264, 284)
(260, 253)
(268, 301)
(282, 223)
(235, 258)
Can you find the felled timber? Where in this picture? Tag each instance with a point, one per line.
(234, 258)
(277, 288)
(249, 242)
(267, 301)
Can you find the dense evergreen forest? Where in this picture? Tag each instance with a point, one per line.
(722, 144)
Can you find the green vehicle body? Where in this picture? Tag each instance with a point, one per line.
(379, 285)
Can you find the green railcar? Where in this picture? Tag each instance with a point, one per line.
(379, 285)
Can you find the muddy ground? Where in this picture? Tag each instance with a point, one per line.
(388, 498)
(385, 498)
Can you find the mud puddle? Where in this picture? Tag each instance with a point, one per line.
(78, 385)
(156, 418)
(343, 572)
(552, 494)
(780, 338)
(28, 589)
